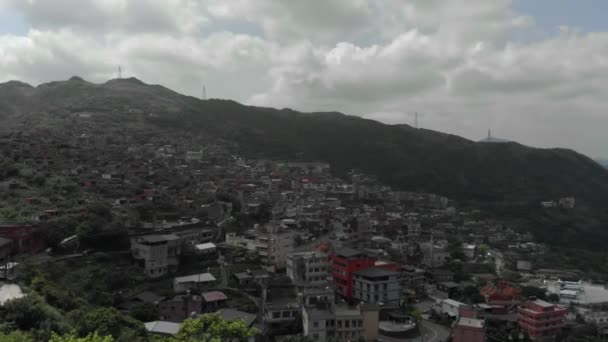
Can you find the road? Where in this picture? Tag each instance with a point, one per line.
(432, 332)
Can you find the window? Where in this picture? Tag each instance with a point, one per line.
(315, 324)
(347, 324)
(276, 315)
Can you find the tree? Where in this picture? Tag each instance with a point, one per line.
(92, 337)
(109, 321)
(212, 328)
(16, 336)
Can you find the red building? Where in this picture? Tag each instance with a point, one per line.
(541, 319)
(469, 330)
(344, 263)
(22, 236)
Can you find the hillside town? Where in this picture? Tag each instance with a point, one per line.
(286, 246)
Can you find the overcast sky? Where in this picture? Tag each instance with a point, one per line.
(535, 71)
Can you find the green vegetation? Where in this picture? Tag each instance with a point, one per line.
(211, 328)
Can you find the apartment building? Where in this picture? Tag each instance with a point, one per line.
(273, 243)
(377, 285)
(309, 272)
(157, 254)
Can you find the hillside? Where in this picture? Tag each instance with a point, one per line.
(404, 157)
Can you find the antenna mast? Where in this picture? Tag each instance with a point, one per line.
(119, 71)
(416, 121)
(204, 92)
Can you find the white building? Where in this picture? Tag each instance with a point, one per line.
(273, 243)
(240, 241)
(309, 273)
(156, 253)
(206, 248)
(339, 323)
(192, 282)
(377, 285)
(451, 307)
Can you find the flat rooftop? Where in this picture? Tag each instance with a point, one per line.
(348, 252)
(376, 272)
(471, 322)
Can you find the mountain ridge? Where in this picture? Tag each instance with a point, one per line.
(400, 155)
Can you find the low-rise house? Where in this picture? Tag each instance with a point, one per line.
(179, 308)
(251, 278)
(447, 289)
(194, 282)
(206, 248)
(162, 328)
(451, 307)
(213, 299)
(232, 315)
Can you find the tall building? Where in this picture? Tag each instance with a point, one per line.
(309, 272)
(541, 319)
(273, 243)
(344, 263)
(156, 253)
(377, 285)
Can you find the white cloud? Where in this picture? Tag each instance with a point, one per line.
(457, 62)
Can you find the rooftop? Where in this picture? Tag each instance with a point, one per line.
(214, 296)
(231, 315)
(348, 252)
(158, 238)
(376, 272)
(196, 278)
(162, 327)
(471, 322)
(205, 246)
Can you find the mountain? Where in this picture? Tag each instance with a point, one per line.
(603, 162)
(402, 156)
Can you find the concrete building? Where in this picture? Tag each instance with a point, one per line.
(309, 272)
(179, 308)
(280, 302)
(469, 330)
(344, 263)
(377, 285)
(192, 282)
(541, 319)
(273, 243)
(451, 307)
(156, 253)
(337, 323)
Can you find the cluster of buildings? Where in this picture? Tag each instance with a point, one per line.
(335, 259)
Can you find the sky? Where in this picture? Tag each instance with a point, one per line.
(533, 71)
